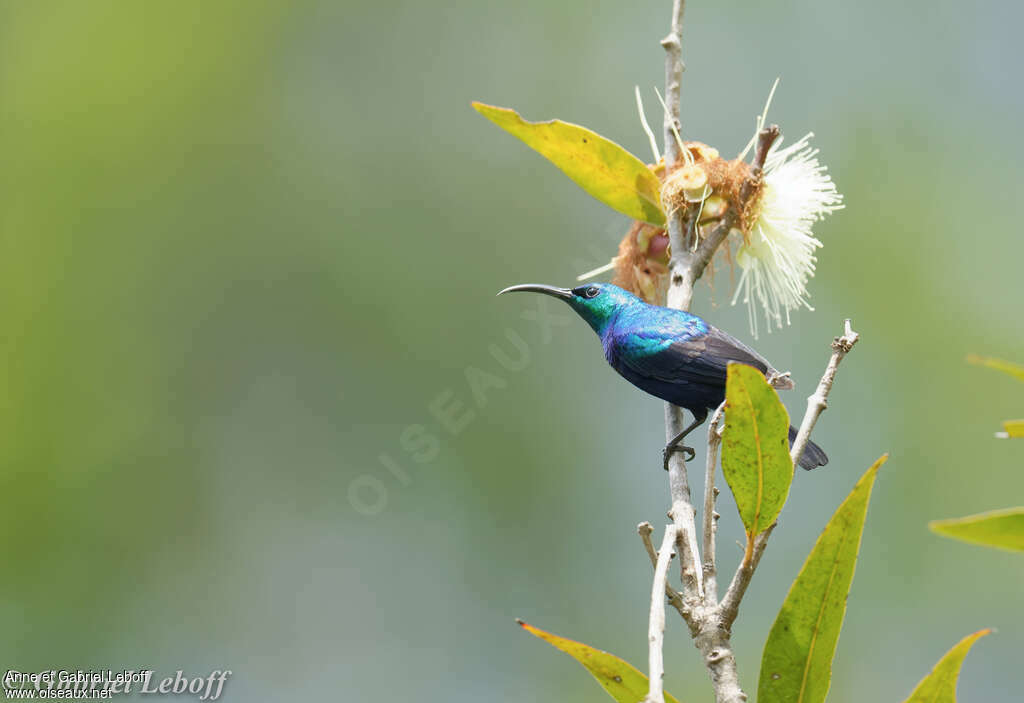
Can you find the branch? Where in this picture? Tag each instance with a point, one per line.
(685, 268)
(699, 596)
(656, 624)
(683, 515)
(710, 516)
(674, 67)
(730, 606)
(644, 529)
(817, 402)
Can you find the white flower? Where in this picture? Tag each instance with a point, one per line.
(779, 259)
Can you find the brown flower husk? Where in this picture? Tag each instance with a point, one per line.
(724, 178)
(642, 264)
(706, 182)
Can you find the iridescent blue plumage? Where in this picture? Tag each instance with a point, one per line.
(671, 354)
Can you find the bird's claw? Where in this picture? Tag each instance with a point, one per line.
(688, 454)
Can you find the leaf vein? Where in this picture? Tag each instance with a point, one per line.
(821, 612)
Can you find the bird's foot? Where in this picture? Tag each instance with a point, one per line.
(688, 453)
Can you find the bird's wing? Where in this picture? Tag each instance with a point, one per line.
(683, 360)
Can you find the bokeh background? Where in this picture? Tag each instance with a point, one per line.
(247, 245)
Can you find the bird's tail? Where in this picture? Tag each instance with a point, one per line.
(813, 456)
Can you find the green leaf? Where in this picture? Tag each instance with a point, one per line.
(597, 165)
(939, 686)
(1007, 367)
(1014, 428)
(619, 678)
(796, 666)
(1003, 529)
(755, 448)
(1011, 428)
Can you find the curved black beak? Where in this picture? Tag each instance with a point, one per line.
(563, 293)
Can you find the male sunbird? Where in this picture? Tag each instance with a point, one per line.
(670, 354)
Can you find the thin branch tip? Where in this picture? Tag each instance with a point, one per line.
(656, 622)
(845, 343)
(765, 139)
(644, 529)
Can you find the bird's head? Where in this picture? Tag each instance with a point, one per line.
(597, 303)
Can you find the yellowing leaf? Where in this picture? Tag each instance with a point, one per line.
(619, 678)
(1014, 428)
(755, 448)
(1007, 367)
(1003, 529)
(597, 165)
(939, 686)
(796, 666)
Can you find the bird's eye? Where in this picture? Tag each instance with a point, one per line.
(591, 292)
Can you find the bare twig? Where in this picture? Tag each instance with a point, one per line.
(683, 515)
(710, 516)
(674, 67)
(656, 624)
(644, 529)
(681, 512)
(817, 402)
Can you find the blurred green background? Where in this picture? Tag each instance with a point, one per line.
(247, 245)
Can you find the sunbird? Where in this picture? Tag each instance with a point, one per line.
(670, 354)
